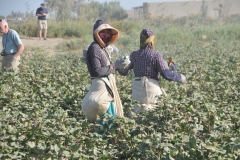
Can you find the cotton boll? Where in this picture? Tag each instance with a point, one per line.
(110, 48)
(115, 49)
(195, 119)
(122, 62)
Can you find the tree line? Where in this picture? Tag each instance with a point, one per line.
(77, 9)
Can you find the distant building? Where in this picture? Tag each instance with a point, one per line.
(208, 8)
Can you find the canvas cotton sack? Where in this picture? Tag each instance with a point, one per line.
(97, 100)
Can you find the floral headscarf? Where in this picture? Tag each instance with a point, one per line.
(147, 38)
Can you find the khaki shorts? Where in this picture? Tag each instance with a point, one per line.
(9, 62)
(42, 24)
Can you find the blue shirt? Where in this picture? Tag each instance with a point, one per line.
(41, 10)
(11, 41)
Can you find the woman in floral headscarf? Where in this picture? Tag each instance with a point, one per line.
(147, 66)
(102, 97)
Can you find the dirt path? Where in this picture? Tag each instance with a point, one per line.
(33, 43)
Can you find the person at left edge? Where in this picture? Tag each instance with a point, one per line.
(102, 97)
(12, 47)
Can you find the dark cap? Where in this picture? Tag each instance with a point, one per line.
(42, 4)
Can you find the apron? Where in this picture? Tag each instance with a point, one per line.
(145, 90)
(97, 100)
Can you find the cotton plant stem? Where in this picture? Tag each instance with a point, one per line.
(163, 91)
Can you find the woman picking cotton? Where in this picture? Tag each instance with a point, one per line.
(148, 65)
(102, 97)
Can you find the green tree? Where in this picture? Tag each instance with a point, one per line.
(112, 10)
(77, 9)
(15, 15)
(90, 11)
(29, 14)
(63, 10)
(107, 10)
(204, 9)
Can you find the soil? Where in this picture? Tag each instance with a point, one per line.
(44, 46)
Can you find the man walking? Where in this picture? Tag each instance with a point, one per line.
(42, 13)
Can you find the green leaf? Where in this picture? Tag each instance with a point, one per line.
(192, 141)
(74, 148)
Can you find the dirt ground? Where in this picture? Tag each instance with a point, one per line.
(33, 43)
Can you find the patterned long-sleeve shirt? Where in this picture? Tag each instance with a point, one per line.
(96, 60)
(149, 63)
